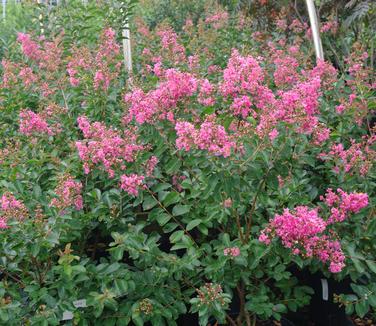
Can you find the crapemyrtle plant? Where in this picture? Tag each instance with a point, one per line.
(195, 186)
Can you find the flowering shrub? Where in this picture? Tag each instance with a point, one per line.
(195, 184)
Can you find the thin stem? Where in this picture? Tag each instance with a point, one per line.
(173, 217)
(239, 226)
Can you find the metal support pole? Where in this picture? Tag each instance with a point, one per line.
(4, 8)
(127, 48)
(315, 29)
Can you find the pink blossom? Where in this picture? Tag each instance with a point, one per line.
(170, 43)
(106, 146)
(281, 181)
(233, 252)
(11, 208)
(3, 223)
(242, 106)
(29, 47)
(329, 26)
(68, 194)
(27, 76)
(131, 183)
(157, 104)
(273, 134)
(227, 203)
(101, 79)
(150, 165)
(343, 203)
(286, 70)
(358, 157)
(320, 134)
(218, 20)
(340, 108)
(32, 123)
(209, 136)
(301, 231)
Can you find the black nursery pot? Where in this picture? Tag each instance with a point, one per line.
(322, 311)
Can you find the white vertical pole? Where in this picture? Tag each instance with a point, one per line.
(4, 8)
(127, 48)
(315, 29)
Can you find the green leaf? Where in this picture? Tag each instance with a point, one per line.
(371, 265)
(149, 203)
(361, 308)
(173, 165)
(280, 308)
(163, 218)
(171, 198)
(181, 209)
(121, 286)
(192, 224)
(112, 268)
(176, 236)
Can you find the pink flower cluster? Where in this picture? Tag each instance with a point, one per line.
(358, 157)
(286, 69)
(10, 207)
(320, 134)
(329, 26)
(106, 146)
(30, 48)
(9, 74)
(209, 136)
(233, 252)
(301, 231)
(131, 183)
(150, 165)
(242, 74)
(27, 76)
(243, 80)
(32, 123)
(159, 103)
(217, 20)
(104, 65)
(326, 72)
(206, 91)
(170, 43)
(68, 194)
(107, 54)
(47, 54)
(342, 204)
